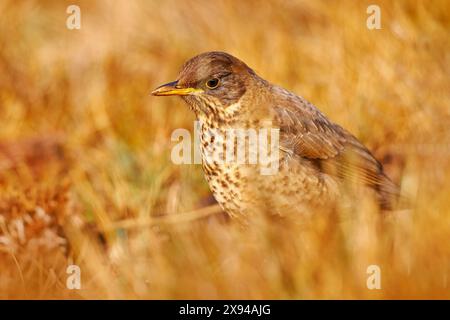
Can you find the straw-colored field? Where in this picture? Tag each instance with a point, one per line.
(85, 151)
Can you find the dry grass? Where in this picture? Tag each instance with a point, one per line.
(82, 140)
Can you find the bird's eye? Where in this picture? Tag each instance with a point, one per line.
(212, 83)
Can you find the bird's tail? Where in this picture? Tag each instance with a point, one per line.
(390, 196)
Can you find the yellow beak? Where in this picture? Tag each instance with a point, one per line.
(172, 89)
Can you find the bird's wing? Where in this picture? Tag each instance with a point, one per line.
(306, 132)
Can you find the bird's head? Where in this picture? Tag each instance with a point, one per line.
(212, 83)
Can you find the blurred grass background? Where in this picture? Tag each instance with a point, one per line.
(83, 147)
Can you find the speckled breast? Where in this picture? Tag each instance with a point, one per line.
(226, 178)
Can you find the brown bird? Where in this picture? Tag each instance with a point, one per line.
(319, 162)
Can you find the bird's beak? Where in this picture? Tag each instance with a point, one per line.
(172, 89)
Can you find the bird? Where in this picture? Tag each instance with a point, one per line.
(319, 162)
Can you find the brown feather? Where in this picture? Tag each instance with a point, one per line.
(310, 135)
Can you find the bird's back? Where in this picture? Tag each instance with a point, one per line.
(332, 150)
